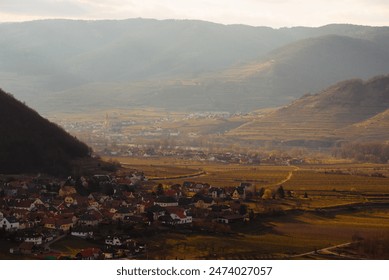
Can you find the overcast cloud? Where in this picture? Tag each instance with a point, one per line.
(275, 13)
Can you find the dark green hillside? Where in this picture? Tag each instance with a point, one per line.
(30, 143)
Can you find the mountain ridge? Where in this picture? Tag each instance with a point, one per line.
(47, 62)
(30, 143)
(328, 115)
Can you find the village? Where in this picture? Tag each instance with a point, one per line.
(112, 212)
(127, 136)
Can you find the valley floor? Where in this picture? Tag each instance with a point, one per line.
(332, 211)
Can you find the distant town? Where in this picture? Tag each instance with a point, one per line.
(124, 136)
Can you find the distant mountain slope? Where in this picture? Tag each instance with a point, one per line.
(58, 65)
(30, 143)
(283, 75)
(373, 129)
(56, 55)
(323, 116)
(287, 73)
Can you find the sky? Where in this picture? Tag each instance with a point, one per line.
(273, 13)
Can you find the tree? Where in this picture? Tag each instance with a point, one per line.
(289, 193)
(243, 209)
(251, 215)
(267, 194)
(261, 192)
(160, 190)
(281, 192)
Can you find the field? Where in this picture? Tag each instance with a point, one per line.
(370, 178)
(217, 174)
(309, 180)
(71, 245)
(312, 186)
(355, 178)
(276, 237)
(296, 226)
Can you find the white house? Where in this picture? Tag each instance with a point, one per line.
(82, 233)
(115, 241)
(239, 193)
(9, 223)
(37, 239)
(229, 219)
(166, 201)
(179, 215)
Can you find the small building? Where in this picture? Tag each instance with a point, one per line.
(108, 253)
(49, 223)
(166, 201)
(64, 224)
(34, 238)
(89, 254)
(22, 204)
(66, 191)
(82, 233)
(216, 192)
(156, 211)
(179, 215)
(229, 219)
(202, 201)
(239, 193)
(69, 200)
(91, 218)
(27, 248)
(220, 208)
(9, 224)
(114, 241)
(123, 212)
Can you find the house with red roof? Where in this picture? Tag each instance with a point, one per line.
(179, 215)
(89, 254)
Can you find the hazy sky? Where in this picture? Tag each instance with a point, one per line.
(275, 13)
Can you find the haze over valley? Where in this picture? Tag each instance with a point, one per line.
(187, 139)
(180, 65)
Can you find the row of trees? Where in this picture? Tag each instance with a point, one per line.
(367, 152)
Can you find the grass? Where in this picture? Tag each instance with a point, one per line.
(71, 245)
(309, 179)
(217, 174)
(279, 236)
(275, 237)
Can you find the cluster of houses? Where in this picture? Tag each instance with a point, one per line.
(37, 212)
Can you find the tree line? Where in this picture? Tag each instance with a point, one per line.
(376, 152)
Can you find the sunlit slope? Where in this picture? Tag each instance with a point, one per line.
(346, 105)
(64, 65)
